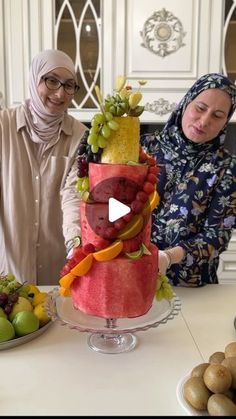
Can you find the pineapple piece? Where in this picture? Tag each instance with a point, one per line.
(123, 144)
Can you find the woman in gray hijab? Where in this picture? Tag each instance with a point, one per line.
(39, 206)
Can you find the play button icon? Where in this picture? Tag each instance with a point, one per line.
(116, 209)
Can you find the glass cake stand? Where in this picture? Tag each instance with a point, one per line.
(110, 336)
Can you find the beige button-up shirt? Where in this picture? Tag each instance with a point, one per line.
(39, 206)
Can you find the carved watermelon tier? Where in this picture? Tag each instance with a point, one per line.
(117, 288)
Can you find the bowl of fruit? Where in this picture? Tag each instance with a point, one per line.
(22, 313)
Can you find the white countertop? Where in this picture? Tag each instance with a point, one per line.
(58, 374)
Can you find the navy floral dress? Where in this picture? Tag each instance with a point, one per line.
(197, 187)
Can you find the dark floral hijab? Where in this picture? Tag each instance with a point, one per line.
(172, 138)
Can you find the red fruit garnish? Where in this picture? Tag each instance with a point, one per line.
(65, 270)
(142, 156)
(119, 224)
(78, 254)
(142, 196)
(148, 187)
(110, 233)
(153, 169)
(152, 178)
(136, 206)
(128, 217)
(88, 248)
(151, 161)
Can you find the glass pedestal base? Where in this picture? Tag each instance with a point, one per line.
(109, 336)
(112, 343)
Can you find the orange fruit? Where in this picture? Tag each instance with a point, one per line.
(83, 266)
(67, 280)
(132, 228)
(152, 202)
(109, 252)
(64, 292)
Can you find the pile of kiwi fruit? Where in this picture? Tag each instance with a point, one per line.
(211, 386)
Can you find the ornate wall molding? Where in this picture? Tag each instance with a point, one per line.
(162, 33)
(160, 107)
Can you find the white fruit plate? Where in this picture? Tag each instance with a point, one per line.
(23, 339)
(184, 404)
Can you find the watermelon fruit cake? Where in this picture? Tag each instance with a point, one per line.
(113, 273)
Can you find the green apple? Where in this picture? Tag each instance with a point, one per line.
(25, 322)
(7, 331)
(23, 304)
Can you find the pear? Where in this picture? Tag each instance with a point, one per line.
(23, 304)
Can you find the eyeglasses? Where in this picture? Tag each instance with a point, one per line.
(52, 83)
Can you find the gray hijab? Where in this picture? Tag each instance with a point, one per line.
(42, 125)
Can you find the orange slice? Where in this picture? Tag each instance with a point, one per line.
(109, 252)
(132, 228)
(152, 202)
(83, 266)
(64, 292)
(67, 280)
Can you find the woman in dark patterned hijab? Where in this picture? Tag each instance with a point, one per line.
(193, 223)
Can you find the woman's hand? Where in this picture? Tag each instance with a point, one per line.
(164, 261)
(169, 257)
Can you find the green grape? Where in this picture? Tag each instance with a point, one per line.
(85, 184)
(94, 123)
(106, 131)
(10, 277)
(113, 125)
(159, 294)
(23, 290)
(78, 185)
(108, 116)
(94, 130)
(165, 290)
(94, 148)
(99, 118)
(102, 142)
(79, 182)
(92, 139)
(167, 293)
